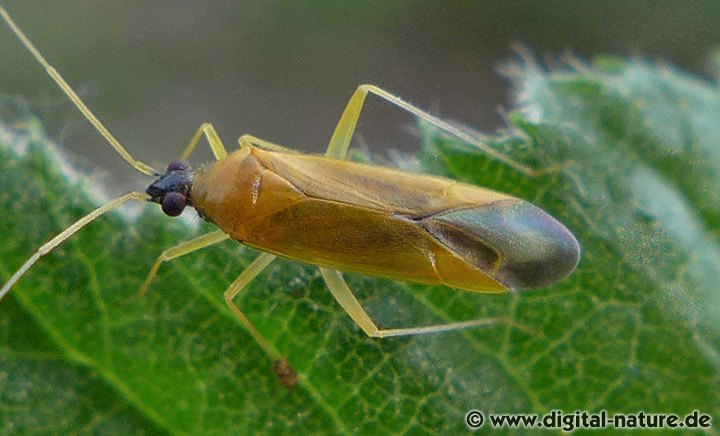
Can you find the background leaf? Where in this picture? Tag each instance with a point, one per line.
(634, 328)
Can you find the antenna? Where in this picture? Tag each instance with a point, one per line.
(138, 165)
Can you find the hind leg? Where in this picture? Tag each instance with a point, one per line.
(347, 300)
(340, 140)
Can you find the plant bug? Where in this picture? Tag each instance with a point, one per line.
(344, 216)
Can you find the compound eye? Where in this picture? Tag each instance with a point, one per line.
(173, 203)
(178, 165)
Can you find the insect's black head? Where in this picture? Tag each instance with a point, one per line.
(172, 189)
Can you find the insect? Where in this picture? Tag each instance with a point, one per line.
(344, 216)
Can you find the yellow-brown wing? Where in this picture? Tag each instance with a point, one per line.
(384, 222)
(373, 186)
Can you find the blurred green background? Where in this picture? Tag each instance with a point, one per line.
(283, 70)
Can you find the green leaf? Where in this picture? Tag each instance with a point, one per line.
(634, 328)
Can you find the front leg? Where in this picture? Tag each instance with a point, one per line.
(216, 145)
(181, 249)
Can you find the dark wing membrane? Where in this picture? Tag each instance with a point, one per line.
(516, 243)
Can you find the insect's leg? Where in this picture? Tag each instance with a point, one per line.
(255, 268)
(285, 373)
(345, 297)
(181, 249)
(246, 140)
(340, 140)
(216, 145)
(65, 234)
